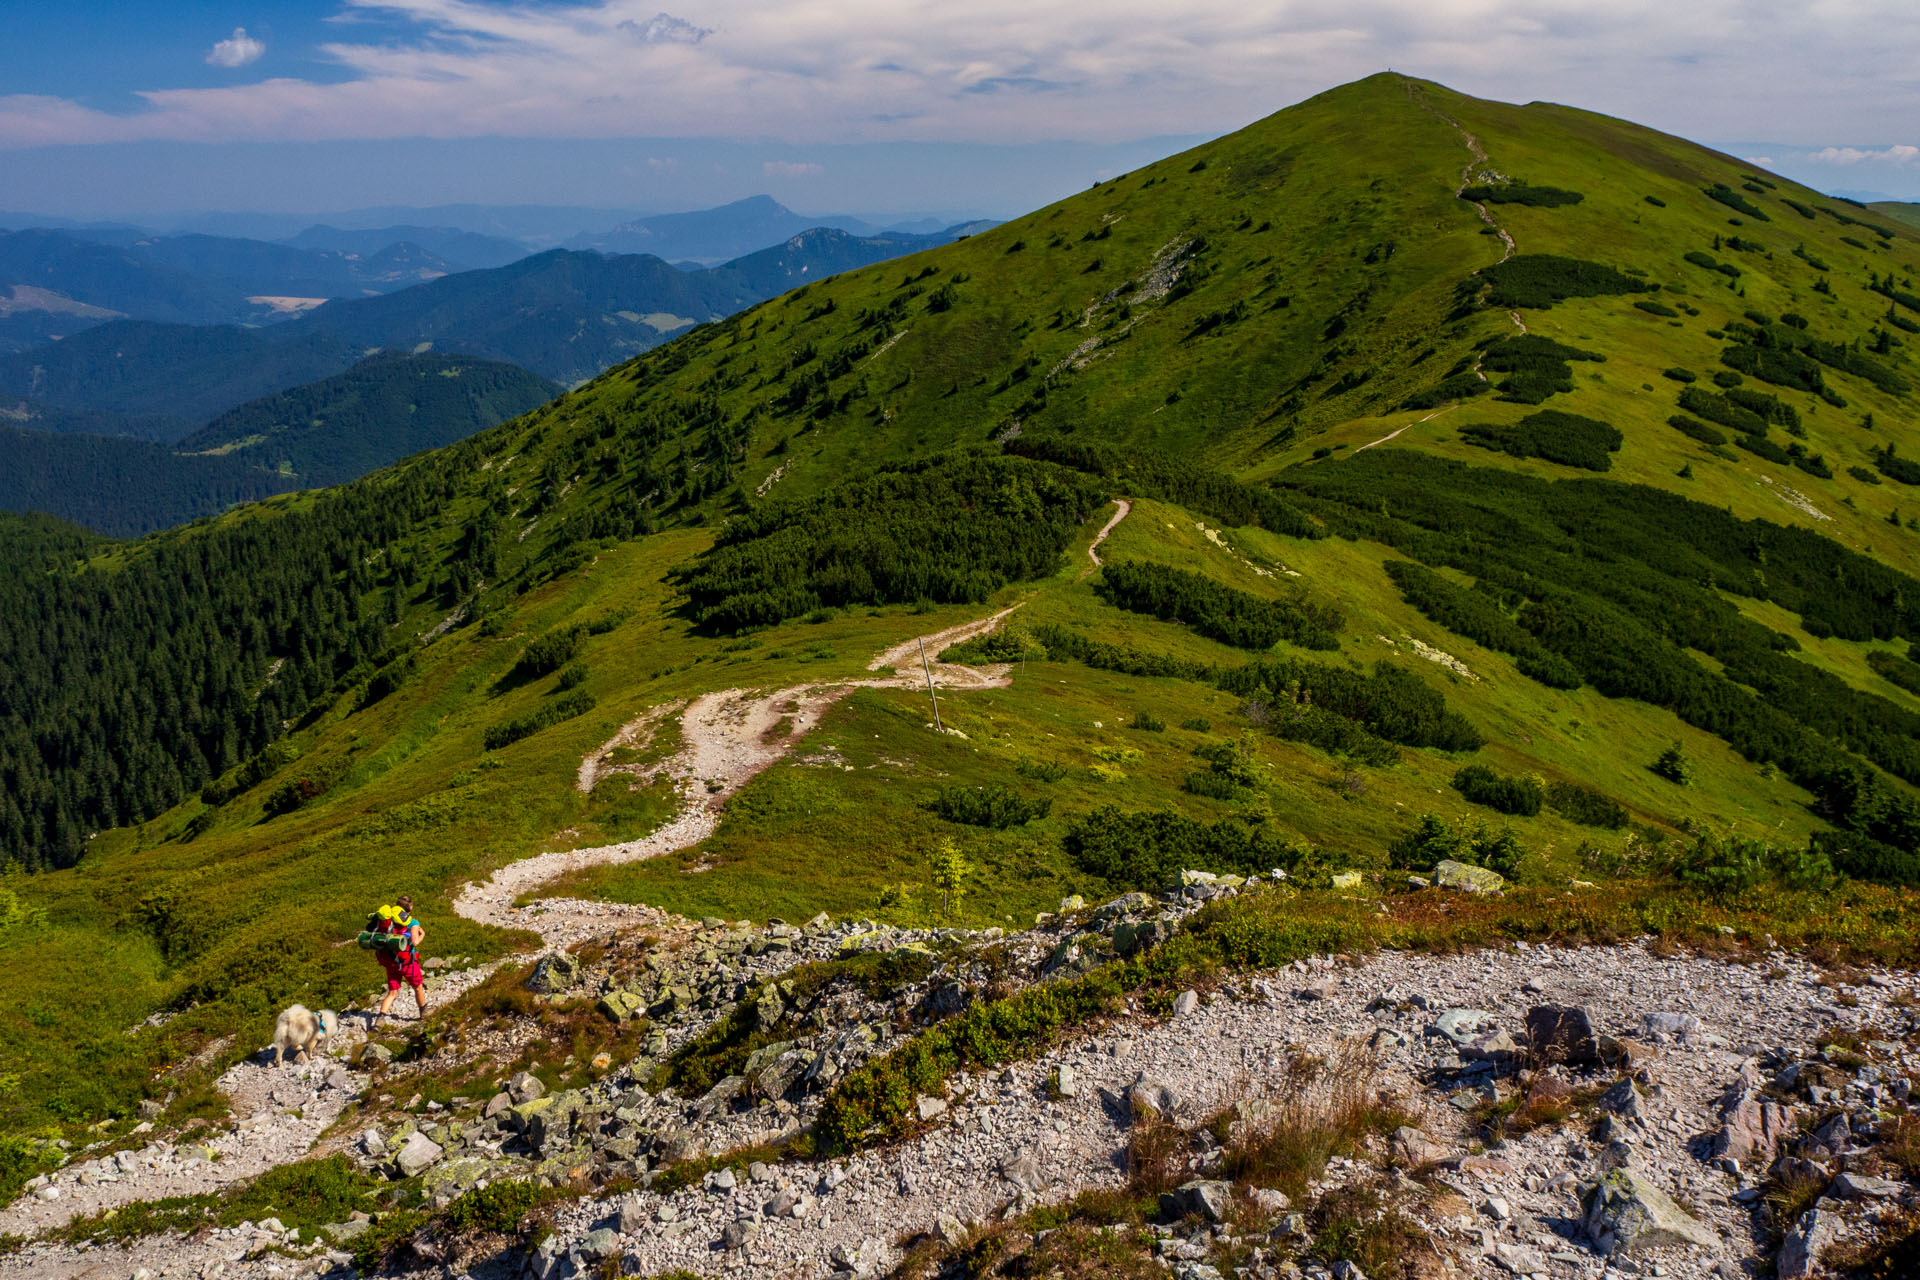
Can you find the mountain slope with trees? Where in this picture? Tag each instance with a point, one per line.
(1441, 511)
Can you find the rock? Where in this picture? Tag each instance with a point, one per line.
(1625, 1213)
(1023, 1170)
(1131, 938)
(372, 1144)
(1498, 1209)
(375, 1055)
(1409, 1146)
(1072, 903)
(1066, 1082)
(1320, 989)
(1659, 1026)
(525, 1087)
(418, 1155)
(1185, 1003)
(1519, 1259)
(1860, 1186)
(1800, 1248)
(929, 1107)
(1562, 1034)
(723, 1179)
(1291, 1227)
(1460, 1026)
(1208, 1198)
(1267, 1200)
(633, 1218)
(1751, 1124)
(498, 1103)
(601, 1243)
(949, 1229)
(150, 1108)
(1345, 1270)
(621, 1006)
(1146, 1094)
(1493, 1046)
(553, 973)
(1467, 878)
(737, 1233)
(1622, 1100)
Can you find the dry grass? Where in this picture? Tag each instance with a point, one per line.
(1315, 1108)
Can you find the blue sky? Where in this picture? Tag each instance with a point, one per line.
(114, 109)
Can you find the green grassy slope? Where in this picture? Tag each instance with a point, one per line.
(1267, 298)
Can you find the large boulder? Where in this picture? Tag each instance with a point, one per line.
(525, 1087)
(417, 1155)
(1146, 1095)
(553, 973)
(1564, 1034)
(621, 1006)
(1801, 1247)
(1461, 1027)
(1207, 1198)
(1751, 1124)
(1467, 878)
(1625, 1213)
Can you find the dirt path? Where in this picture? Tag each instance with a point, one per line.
(1093, 549)
(1397, 430)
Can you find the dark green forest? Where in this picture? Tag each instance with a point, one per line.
(384, 408)
(121, 486)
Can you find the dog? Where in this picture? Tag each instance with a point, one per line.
(298, 1028)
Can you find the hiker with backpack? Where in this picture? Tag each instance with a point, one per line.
(395, 936)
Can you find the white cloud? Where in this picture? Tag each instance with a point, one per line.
(664, 28)
(1009, 71)
(237, 50)
(790, 169)
(663, 163)
(1853, 155)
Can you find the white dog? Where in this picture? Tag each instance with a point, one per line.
(297, 1029)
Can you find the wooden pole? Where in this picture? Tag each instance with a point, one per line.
(930, 694)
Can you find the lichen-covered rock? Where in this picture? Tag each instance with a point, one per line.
(1467, 878)
(1208, 1198)
(553, 973)
(1625, 1213)
(1801, 1247)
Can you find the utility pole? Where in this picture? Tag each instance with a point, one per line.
(930, 694)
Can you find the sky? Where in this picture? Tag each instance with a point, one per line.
(114, 108)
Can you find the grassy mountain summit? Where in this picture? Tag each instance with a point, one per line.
(1549, 529)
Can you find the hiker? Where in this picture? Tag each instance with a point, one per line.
(402, 962)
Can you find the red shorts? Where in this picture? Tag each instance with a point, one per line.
(399, 971)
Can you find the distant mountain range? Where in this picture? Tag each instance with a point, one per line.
(715, 235)
(565, 315)
(381, 410)
(172, 417)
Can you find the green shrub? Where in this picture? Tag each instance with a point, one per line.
(1147, 850)
(1728, 867)
(1586, 806)
(1002, 644)
(1461, 386)
(564, 707)
(1040, 770)
(1151, 473)
(997, 807)
(1655, 201)
(1539, 366)
(1903, 671)
(1521, 193)
(1727, 196)
(1520, 797)
(1682, 375)
(1223, 613)
(1698, 430)
(551, 651)
(1538, 280)
(1674, 766)
(572, 677)
(498, 1208)
(1149, 723)
(1655, 308)
(1565, 438)
(1433, 839)
(1199, 724)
